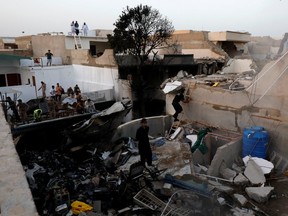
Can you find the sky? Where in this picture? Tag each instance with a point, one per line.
(258, 17)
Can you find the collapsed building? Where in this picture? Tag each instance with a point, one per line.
(226, 99)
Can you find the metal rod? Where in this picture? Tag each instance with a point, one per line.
(217, 178)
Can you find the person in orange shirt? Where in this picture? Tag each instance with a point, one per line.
(58, 92)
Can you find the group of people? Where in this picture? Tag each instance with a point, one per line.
(54, 103)
(75, 28)
(73, 102)
(56, 92)
(19, 110)
(74, 99)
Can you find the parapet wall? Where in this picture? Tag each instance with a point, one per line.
(16, 197)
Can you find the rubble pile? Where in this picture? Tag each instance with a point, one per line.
(88, 180)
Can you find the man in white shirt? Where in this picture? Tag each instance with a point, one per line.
(53, 92)
(85, 29)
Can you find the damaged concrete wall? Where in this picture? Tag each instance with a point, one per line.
(225, 154)
(239, 66)
(264, 104)
(24, 42)
(197, 43)
(229, 36)
(16, 198)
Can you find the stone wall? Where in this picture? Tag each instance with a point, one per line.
(24, 42)
(42, 43)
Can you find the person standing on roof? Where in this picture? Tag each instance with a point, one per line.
(76, 28)
(143, 143)
(176, 103)
(72, 28)
(85, 29)
(43, 87)
(49, 57)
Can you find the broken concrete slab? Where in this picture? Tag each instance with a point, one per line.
(242, 212)
(237, 168)
(265, 165)
(254, 173)
(228, 173)
(259, 194)
(226, 153)
(175, 157)
(240, 199)
(240, 179)
(172, 86)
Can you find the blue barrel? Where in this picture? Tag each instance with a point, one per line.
(255, 142)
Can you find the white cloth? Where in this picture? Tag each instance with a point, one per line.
(89, 107)
(72, 28)
(85, 29)
(69, 100)
(53, 92)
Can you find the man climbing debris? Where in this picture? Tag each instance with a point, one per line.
(176, 103)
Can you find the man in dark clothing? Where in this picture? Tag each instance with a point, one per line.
(143, 143)
(12, 106)
(49, 57)
(176, 103)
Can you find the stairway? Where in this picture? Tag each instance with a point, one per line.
(78, 44)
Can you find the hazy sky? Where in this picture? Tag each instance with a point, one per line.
(258, 17)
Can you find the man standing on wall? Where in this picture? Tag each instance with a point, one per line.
(49, 57)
